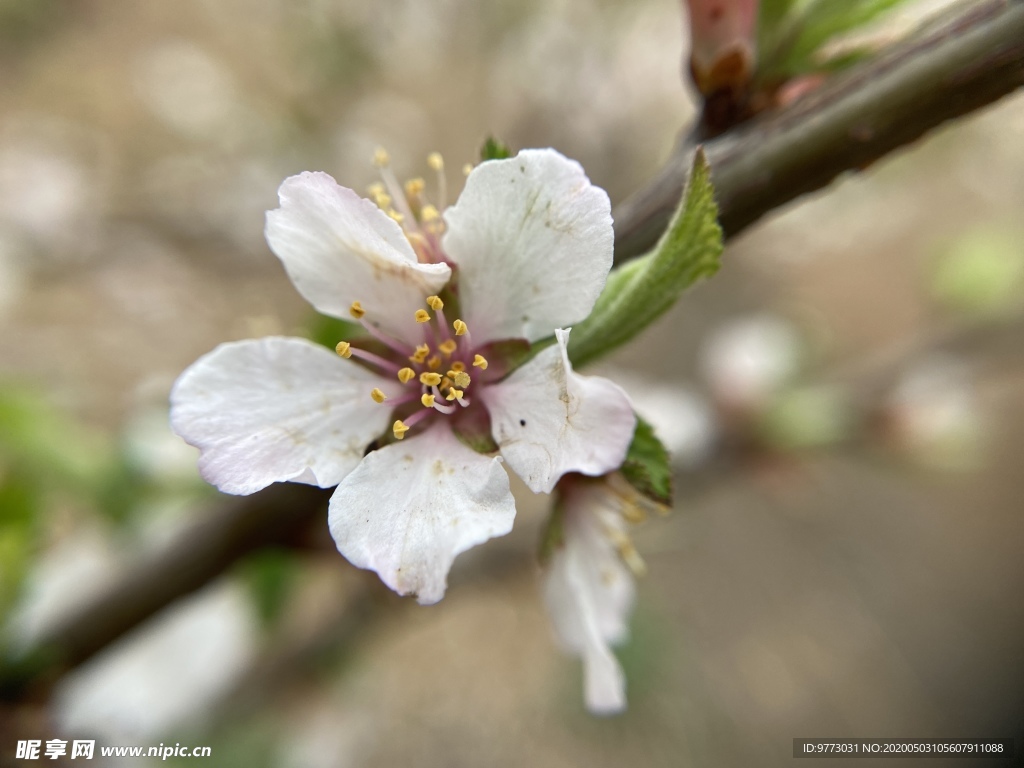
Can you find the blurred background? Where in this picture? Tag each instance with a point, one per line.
(845, 400)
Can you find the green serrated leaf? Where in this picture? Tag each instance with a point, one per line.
(647, 466)
(639, 292)
(494, 149)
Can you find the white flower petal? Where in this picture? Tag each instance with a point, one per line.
(604, 684)
(549, 420)
(275, 409)
(533, 240)
(409, 508)
(589, 593)
(338, 248)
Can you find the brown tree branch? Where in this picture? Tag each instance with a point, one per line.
(946, 72)
(204, 550)
(949, 70)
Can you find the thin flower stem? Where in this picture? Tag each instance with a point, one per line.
(399, 346)
(376, 360)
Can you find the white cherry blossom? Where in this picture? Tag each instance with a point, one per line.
(445, 299)
(589, 586)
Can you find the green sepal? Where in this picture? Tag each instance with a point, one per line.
(641, 290)
(505, 356)
(328, 331)
(472, 427)
(647, 466)
(494, 149)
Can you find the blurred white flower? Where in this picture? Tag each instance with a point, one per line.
(42, 188)
(187, 88)
(165, 676)
(747, 360)
(588, 583)
(683, 420)
(936, 414)
(70, 573)
(155, 451)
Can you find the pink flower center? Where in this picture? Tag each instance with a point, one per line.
(438, 372)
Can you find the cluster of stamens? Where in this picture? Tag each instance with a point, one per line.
(408, 204)
(436, 371)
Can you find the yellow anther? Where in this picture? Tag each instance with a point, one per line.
(399, 429)
(356, 310)
(395, 215)
(457, 366)
(461, 379)
(480, 362)
(429, 213)
(377, 188)
(344, 349)
(381, 158)
(435, 303)
(422, 316)
(383, 201)
(467, 169)
(415, 187)
(420, 354)
(448, 347)
(406, 375)
(378, 395)
(460, 328)
(434, 363)
(430, 379)
(631, 557)
(454, 394)
(446, 382)
(435, 161)
(428, 401)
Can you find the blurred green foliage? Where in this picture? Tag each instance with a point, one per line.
(25, 21)
(981, 272)
(791, 34)
(50, 463)
(806, 418)
(248, 744)
(270, 575)
(43, 456)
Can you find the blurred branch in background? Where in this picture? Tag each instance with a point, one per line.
(950, 70)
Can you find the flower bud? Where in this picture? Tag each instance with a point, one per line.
(723, 52)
